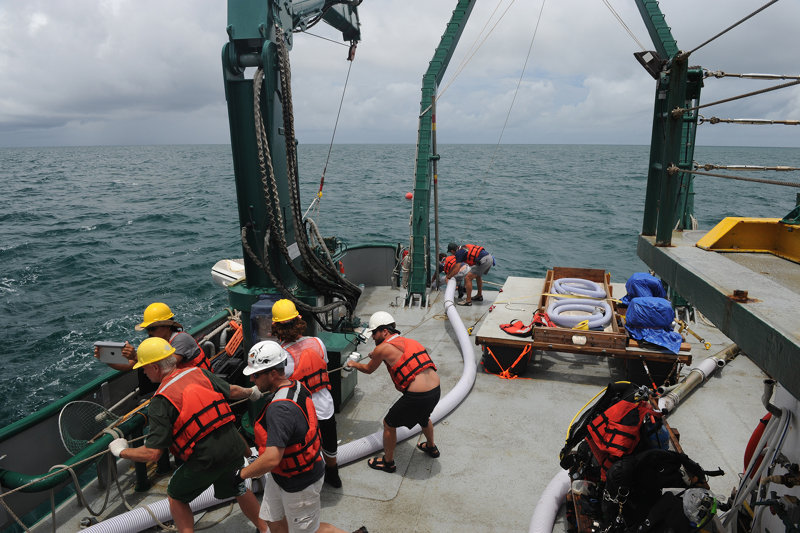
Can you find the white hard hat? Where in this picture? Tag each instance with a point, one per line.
(264, 355)
(381, 318)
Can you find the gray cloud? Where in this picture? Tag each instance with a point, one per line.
(140, 72)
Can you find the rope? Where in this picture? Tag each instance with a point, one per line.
(751, 121)
(519, 82)
(504, 372)
(335, 125)
(673, 169)
(625, 26)
(469, 57)
(678, 111)
(729, 28)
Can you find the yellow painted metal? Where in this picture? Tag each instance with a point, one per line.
(764, 235)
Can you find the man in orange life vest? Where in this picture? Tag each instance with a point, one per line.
(479, 261)
(158, 323)
(309, 364)
(189, 414)
(288, 440)
(413, 374)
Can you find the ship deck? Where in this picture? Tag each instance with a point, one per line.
(499, 447)
(765, 324)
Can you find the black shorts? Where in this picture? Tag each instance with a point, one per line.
(413, 408)
(327, 432)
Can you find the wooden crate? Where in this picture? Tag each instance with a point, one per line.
(609, 341)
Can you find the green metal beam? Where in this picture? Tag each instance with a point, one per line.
(420, 211)
(660, 33)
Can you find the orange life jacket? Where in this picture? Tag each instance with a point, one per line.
(201, 409)
(616, 431)
(414, 360)
(448, 263)
(200, 360)
(301, 457)
(309, 363)
(473, 251)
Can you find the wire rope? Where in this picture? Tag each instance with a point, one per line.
(674, 169)
(729, 28)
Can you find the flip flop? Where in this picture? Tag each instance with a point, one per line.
(431, 451)
(380, 463)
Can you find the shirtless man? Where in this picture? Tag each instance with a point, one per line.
(413, 374)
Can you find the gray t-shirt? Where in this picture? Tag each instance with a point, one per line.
(185, 345)
(286, 425)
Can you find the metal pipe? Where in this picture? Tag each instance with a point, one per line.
(769, 388)
(697, 376)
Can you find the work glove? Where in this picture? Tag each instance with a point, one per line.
(117, 445)
(255, 394)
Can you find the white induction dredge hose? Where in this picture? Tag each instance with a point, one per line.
(544, 515)
(139, 519)
(357, 449)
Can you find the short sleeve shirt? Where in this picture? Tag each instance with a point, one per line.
(286, 425)
(221, 445)
(185, 346)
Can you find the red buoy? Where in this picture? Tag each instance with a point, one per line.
(409, 196)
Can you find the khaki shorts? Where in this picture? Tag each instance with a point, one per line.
(301, 509)
(482, 266)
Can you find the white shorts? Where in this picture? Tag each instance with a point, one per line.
(301, 509)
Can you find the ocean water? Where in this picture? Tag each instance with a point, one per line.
(89, 236)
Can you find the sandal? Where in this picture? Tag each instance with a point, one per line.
(380, 463)
(477, 298)
(464, 303)
(432, 451)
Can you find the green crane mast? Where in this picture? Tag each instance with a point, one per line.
(279, 261)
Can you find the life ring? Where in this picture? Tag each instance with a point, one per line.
(599, 311)
(579, 287)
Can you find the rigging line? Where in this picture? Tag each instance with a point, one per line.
(678, 111)
(674, 169)
(748, 121)
(324, 38)
(625, 26)
(750, 76)
(472, 48)
(335, 125)
(468, 59)
(747, 168)
(729, 28)
(516, 91)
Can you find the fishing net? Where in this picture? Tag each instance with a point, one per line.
(81, 422)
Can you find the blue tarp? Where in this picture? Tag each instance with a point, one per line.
(642, 284)
(650, 319)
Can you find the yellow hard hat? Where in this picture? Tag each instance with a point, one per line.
(151, 350)
(155, 312)
(284, 310)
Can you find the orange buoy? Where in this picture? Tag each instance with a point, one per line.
(409, 195)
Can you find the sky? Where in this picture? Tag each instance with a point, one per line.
(129, 72)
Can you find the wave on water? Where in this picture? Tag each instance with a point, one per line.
(92, 235)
